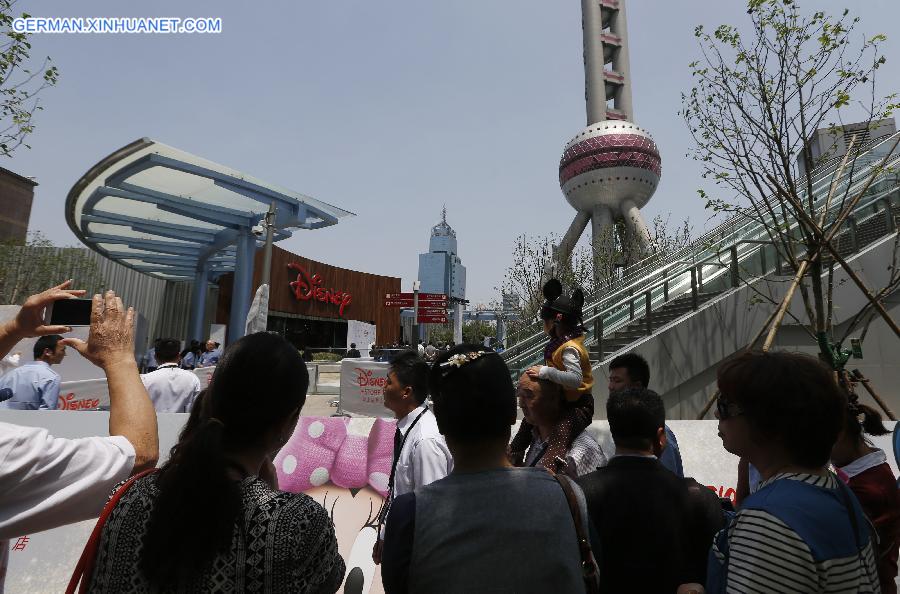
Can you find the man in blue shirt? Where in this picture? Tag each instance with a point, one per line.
(34, 385)
(212, 354)
(632, 371)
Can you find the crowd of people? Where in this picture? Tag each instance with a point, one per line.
(193, 356)
(470, 506)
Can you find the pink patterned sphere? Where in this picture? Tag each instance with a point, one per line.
(608, 163)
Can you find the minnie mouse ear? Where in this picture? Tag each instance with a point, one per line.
(552, 289)
(578, 298)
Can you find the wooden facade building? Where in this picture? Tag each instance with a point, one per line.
(313, 311)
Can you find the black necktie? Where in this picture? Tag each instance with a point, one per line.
(398, 443)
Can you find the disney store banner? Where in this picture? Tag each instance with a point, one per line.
(362, 385)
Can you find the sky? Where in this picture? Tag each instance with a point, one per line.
(390, 110)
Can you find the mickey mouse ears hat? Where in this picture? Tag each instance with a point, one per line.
(560, 308)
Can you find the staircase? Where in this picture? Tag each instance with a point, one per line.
(645, 326)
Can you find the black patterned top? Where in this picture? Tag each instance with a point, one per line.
(287, 544)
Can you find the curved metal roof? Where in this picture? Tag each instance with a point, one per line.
(164, 212)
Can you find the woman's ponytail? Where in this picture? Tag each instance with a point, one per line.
(193, 517)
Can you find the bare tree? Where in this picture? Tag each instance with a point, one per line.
(756, 102)
(20, 83)
(589, 267)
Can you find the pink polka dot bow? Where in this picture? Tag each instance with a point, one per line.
(322, 449)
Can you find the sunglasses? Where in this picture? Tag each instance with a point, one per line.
(727, 409)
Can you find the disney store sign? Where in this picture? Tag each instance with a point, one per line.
(309, 287)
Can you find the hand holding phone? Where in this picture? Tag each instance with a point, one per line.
(69, 312)
(30, 320)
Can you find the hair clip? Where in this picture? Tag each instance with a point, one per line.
(461, 359)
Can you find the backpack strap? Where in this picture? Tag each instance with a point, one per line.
(578, 509)
(85, 566)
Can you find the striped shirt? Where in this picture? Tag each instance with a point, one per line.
(765, 554)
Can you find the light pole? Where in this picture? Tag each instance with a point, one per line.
(416, 285)
(269, 224)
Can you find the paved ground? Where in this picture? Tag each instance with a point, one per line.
(319, 405)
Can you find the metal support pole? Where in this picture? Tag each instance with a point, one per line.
(648, 312)
(666, 286)
(888, 214)
(700, 278)
(416, 285)
(852, 230)
(735, 271)
(598, 333)
(243, 285)
(198, 303)
(695, 298)
(267, 254)
(762, 260)
(631, 309)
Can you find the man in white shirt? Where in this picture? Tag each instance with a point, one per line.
(421, 455)
(46, 481)
(171, 388)
(542, 402)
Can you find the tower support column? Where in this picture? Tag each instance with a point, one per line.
(635, 224)
(594, 83)
(603, 241)
(564, 251)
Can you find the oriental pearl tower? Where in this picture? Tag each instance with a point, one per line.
(609, 170)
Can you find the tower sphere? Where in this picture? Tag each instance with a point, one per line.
(609, 163)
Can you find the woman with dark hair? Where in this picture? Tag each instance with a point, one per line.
(802, 530)
(206, 521)
(487, 527)
(865, 470)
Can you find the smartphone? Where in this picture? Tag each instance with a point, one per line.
(69, 312)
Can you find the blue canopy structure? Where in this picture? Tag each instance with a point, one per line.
(176, 216)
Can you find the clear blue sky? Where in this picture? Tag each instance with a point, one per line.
(387, 109)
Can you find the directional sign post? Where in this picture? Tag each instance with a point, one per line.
(429, 300)
(429, 308)
(432, 319)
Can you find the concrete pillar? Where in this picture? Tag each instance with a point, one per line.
(594, 85)
(564, 251)
(196, 331)
(457, 323)
(635, 224)
(603, 241)
(243, 285)
(501, 331)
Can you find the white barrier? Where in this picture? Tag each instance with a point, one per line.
(362, 383)
(93, 394)
(43, 562)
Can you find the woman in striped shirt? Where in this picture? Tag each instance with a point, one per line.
(803, 529)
